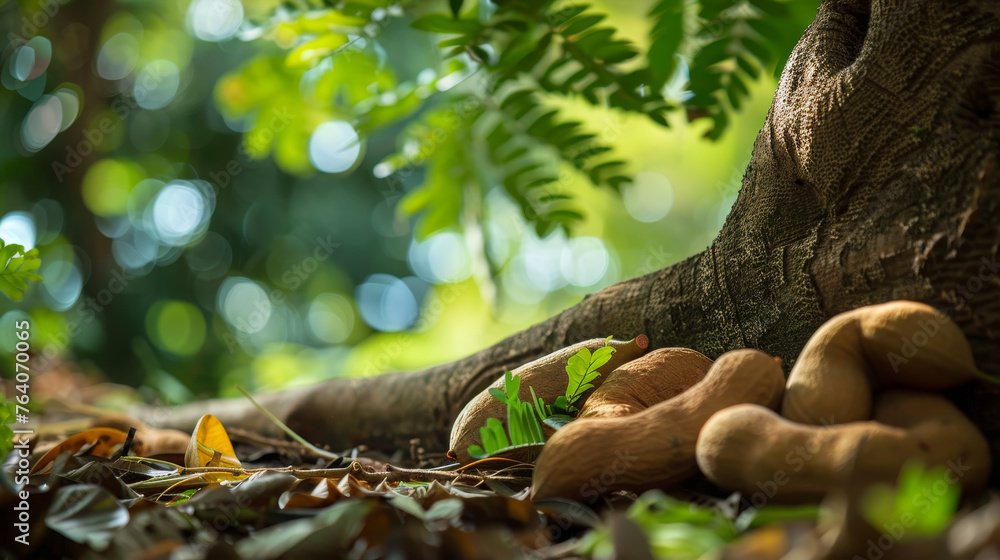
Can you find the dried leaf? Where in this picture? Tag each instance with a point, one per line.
(209, 438)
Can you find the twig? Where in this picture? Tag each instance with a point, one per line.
(320, 452)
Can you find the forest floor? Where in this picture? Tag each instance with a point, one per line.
(90, 489)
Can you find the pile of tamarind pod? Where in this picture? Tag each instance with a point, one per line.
(853, 405)
(860, 401)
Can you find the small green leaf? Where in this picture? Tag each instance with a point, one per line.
(577, 364)
(499, 395)
(601, 356)
(515, 424)
(512, 384)
(477, 452)
(581, 23)
(539, 404)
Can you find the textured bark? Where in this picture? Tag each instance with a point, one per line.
(873, 179)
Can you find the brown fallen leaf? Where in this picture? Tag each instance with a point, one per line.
(101, 442)
(148, 441)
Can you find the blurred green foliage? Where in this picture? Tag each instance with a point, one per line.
(681, 530)
(922, 504)
(275, 193)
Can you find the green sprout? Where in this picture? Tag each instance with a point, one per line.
(525, 419)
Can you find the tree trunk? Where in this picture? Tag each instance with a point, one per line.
(873, 179)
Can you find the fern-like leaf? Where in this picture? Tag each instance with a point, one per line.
(17, 268)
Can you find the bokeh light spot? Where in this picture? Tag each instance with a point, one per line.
(18, 228)
(214, 20)
(61, 280)
(649, 197)
(334, 147)
(387, 303)
(441, 258)
(584, 261)
(180, 213)
(43, 122)
(176, 326)
(156, 84)
(331, 318)
(70, 102)
(244, 304)
(118, 56)
(106, 186)
(24, 60)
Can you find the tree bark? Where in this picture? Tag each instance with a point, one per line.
(873, 179)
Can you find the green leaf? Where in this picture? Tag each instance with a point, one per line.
(514, 425)
(540, 408)
(562, 403)
(7, 414)
(600, 357)
(498, 394)
(578, 363)
(496, 427)
(477, 452)
(665, 40)
(17, 268)
(581, 23)
(512, 384)
(777, 514)
(906, 505)
(582, 370)
(456, 7)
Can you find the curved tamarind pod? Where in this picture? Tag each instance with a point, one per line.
(659, 375)
(895, 344)
(653, 448)
(749, 447)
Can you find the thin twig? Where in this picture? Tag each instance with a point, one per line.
(320, 452)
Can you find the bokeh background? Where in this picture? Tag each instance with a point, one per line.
(210, 209)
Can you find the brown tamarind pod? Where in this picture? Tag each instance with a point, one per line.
(895, 344)
(547, 376)
(749, 448)
(659, 375)
(653, 448)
